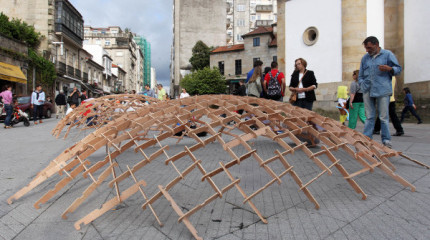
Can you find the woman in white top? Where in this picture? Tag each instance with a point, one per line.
(184, 93)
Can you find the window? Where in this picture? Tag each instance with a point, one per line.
(275, 58)
(310, 36)
(240, 8)
(240, 22)
(256, 41)
(253, 18)
(238, 67)
(66, 55)
(221, 67)
(239, 37)
(107, 43)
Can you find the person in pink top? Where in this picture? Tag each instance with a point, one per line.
(7, 102)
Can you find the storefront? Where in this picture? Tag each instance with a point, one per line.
(13, 76)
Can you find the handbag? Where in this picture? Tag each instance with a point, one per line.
(293, 97)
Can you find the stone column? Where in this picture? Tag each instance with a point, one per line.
(281, 35)
(354, 31)
(394, 32)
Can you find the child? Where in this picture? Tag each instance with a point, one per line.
(342, 96)
(72, 106)
(409, 106)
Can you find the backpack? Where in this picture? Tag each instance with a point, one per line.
(274, 88)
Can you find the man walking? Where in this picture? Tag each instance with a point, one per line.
(37, 102)
(148, 91)
(376, 70)
(161, 93)
(60, 100)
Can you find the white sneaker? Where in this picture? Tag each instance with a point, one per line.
(388, 144)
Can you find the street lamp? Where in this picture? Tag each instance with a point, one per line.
(56, 59)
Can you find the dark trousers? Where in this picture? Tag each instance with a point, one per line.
(412, 110)
(9, 110)
(37, 112)
(394, 119)
(303, 104)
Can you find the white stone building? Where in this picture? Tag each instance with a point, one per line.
(121, 47)
(101, 57)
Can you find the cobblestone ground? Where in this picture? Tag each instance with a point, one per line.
(389, 212)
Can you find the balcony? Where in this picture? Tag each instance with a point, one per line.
(70, 71)
(78, 74)
(264, 8)
(61, 68)
(263, 23)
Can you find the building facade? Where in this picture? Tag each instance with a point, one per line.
(102, 58)
(194, 20)
(235, 61)
(244, 16)
(62, 25)
(13, 65)
(121, 47)
(121, 75)
(95, 79)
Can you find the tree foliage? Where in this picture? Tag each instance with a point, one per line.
(204, 81)
(200, 57)
(19, 30)
(44, 68)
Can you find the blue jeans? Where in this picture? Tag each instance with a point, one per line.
(9, 109)
(371, 105)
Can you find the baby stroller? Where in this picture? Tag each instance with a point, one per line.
(19, 116)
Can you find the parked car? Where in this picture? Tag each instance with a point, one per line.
(25, 105)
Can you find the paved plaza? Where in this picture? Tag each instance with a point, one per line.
(390, 211)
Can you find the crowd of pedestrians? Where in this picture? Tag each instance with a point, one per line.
(371, 95)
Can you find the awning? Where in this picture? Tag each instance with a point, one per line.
(12, 73)
(88, 86)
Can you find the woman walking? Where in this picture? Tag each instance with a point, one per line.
(7, 102)
(356, 105)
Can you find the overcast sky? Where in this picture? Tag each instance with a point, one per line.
(152, 19)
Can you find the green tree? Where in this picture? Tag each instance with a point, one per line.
(19, 30)
(204, 81)
(200, 57)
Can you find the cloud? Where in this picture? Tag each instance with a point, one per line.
(152, 19)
